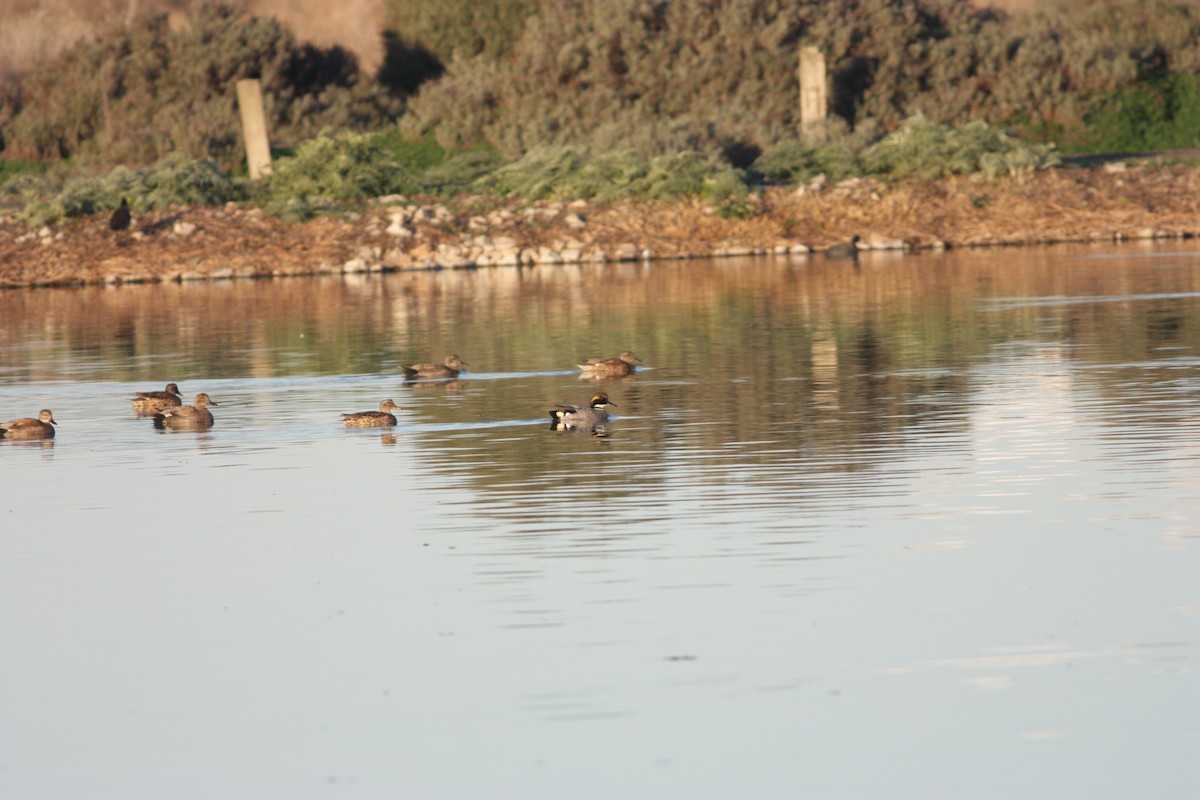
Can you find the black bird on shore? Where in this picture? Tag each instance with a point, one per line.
(120, 219)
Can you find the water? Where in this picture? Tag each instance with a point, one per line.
(922, 528)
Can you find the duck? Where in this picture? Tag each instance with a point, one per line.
(152, 402)
(383, 418)
(30, 428)
(593, 415)
(120, 219)
(617, 367)
(193, 416)
(447, 369)
(843, 250)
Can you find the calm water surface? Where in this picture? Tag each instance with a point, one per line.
(922, 528)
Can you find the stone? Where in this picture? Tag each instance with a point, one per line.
(875, 241)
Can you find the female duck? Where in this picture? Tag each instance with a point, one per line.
(152, 402)
(618, 367)
(30, 428)
(447, 369)
(196, 416)
(593, 415)
(383, 418)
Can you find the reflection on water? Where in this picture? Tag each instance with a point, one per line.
(936, 515)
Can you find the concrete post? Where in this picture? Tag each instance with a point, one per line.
(813, 99)
(254, 127)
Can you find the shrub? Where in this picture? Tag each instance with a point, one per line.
(1156, 115)
(343, 167)
(176, 180)
(565, 173)
(144, 90)
(593, 75)
(11, 169)
(460, 171)
(793, 160)
(925, 149)
(415, 155)
(462, 28)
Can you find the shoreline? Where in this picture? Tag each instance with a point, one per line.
(1113, 202)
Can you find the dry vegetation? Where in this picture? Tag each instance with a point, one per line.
(36, 31)
(1058, 205)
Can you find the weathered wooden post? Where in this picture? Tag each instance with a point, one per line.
(254, 127)
(813, 101)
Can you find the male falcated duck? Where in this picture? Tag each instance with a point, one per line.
(194, 416)
(593, 415)
(30, 428)
(383, 418)
(618, 367)
(149, 403)
(447, 369)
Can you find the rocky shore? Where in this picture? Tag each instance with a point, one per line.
(1112, 202)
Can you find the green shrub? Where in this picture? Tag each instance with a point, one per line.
(925, 149)
(343, 167)
(414, 154)
(460, 171)
(176, 180)
(11, 169)
(1155, 115)
(564, 173)
(793, 160)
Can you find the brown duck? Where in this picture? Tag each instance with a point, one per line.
(618, 367)
(30, 428)
(194, 416)
(447, 369)
(383, 418)
(152, 402)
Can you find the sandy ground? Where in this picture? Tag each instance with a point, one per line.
(1100, 203)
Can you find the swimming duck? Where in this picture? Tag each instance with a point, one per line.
(153, 402)
(582, 417)
(447, 369)
(30, 428)
(617, 367)
(843, 250)
(194, 416)
(373, 419)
